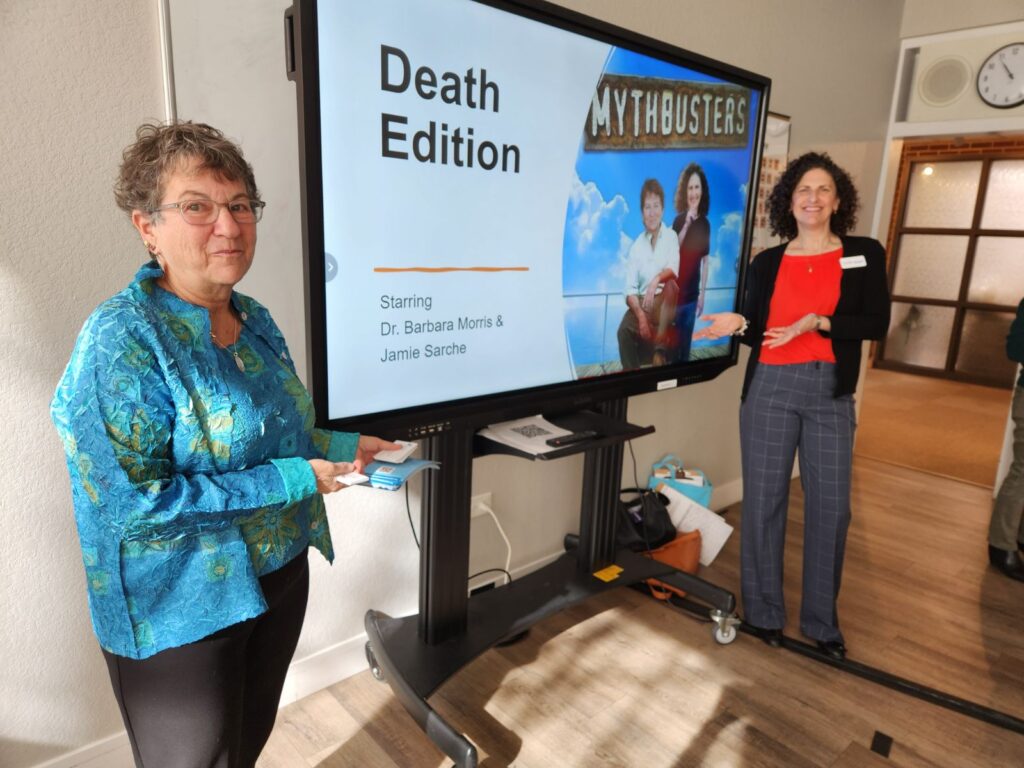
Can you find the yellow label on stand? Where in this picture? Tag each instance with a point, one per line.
(609, 574)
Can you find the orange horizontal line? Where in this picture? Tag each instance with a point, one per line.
(451, 269)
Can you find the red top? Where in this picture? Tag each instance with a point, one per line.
(805, 284)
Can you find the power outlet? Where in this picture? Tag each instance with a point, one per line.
(479, 504)
(488, 547)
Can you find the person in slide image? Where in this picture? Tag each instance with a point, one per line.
(808, 306)
(650, 288)
(196, 473)
(1006, 528)
(692, 203)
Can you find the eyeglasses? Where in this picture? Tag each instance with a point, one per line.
(203, 211)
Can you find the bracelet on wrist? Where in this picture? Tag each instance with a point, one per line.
(743, 328)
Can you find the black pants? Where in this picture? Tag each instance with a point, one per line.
(212, 703)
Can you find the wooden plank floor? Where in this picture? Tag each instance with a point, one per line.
(625, 681)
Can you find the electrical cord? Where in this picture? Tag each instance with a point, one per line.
(645, 499)
(412, 527)
(501, 532)
(408, 513)
(492, 570)
(632, 456)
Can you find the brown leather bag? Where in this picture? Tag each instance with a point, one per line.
(683, 553)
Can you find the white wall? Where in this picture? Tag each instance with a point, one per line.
(76, 79)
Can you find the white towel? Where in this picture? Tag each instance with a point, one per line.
(687, 515)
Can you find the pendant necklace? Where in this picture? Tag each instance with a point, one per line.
(231, 347)
(810, 267)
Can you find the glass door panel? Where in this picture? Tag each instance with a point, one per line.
(919, 334)
(998, 273)
(942, 195)
(931, 266)
(1003, 196)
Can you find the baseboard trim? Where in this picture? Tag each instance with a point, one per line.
(727, 494)
(324, 668)
(112, 752)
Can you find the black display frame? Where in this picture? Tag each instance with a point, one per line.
(415, 422)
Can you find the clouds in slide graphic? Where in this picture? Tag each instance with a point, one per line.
(723, 261)
(595, 244)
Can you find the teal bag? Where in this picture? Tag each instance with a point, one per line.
(669, 469)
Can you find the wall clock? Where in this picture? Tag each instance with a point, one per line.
(1001, 77)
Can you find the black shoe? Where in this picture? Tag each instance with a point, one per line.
(772, 637)
(833, 648)
(1009, 563)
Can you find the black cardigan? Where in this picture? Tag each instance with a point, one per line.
(861, 313)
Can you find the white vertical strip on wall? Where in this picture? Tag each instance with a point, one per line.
(167, 61)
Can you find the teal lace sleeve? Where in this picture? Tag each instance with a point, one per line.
(336, 446)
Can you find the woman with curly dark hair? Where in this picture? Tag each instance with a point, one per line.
(692, 202)
(809, 305)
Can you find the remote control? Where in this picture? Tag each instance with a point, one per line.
(574, 437)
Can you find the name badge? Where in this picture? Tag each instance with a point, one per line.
(853, 262)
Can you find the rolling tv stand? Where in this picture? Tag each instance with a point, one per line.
(416, 654)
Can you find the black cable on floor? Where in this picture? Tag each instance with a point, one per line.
(887, 679)
(909, 687)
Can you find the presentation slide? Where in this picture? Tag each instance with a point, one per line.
(482, 179)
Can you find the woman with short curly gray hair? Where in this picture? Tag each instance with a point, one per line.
(196, 473)
(158, 150)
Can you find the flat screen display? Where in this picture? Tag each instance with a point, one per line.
(486, 187)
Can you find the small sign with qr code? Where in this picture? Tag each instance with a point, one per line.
(530, 435)
(530, 431)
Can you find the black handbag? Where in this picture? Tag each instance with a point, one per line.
(644, 522)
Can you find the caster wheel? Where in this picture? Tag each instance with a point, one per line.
(724, 635)
(375, 669)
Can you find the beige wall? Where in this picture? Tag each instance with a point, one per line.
(927, 17)
(76, 78)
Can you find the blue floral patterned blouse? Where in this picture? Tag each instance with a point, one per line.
(188, 474)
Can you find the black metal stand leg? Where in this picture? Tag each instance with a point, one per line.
(720, 599)
(444, 529)
(602, 477)
(384, 668)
